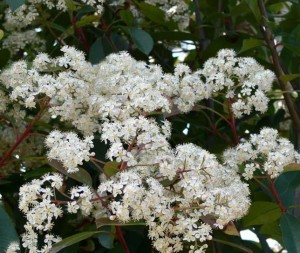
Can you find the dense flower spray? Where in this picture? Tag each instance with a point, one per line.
(180, 193)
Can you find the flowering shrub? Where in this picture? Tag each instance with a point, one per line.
(109, 145)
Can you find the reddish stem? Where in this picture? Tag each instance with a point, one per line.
(81, 35)
(121, 239)
(232, 123)
(23, 135)
(276, 196)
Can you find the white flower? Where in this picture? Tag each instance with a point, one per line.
(69, 149)
(13, 247)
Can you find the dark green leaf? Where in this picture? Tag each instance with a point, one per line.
(255, 9)
(107, 239)
(15, 4)
(141, 39)
(72, 240)
(4, 57)
(286, 186)
(234, 245)
(100, 49)
(8, 233)
(127, 17)
(250, 44)
(261, 212)
(81, 176)
(153, 13)
(290, 228)
(272, 230)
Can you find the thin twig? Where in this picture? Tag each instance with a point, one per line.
(269, 39)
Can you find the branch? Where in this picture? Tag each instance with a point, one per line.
(24, 135)
(269, 39)
(202, 38)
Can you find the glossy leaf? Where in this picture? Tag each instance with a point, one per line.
(15, 4)
(81, 176)
(141, 39)
(127, 17)
(261, 212)
(286, 186)
(153, 13)
(290, 228)
(107, 239)
(99, 50)
(8, 233)
(72, 240)
(251, 43)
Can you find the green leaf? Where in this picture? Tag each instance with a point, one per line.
(81, 176)
(253, 5)
(234, 245)
(286, 186)
(127, 17)
(72, 240)
(107, 239)
(100, 49)
(100, 222)
(4, 57)
(153, 13)
(111, 168)
(250, 44)
(290, 77)
(141, 39)
(261, 212)
(70, 5)
(290, 228)
(1, 34)
(87, 20)
(15, 4)
(8, 233)
(272, 230)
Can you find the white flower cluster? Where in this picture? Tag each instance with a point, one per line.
(176, 10)
(84, 195)
(264, 151)
(181, 194)
(39, 204)
(13, 247)
(141, 133)
(69, 149)
(201, 194)
(17, 41)
(246, 82)
(121, 87)
(27, 13)
(36, 203)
